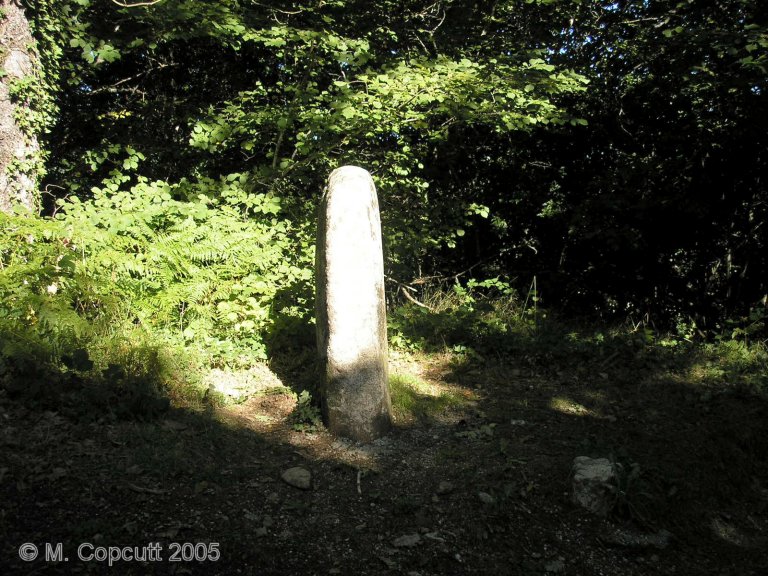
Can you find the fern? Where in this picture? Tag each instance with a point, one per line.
(182, 264)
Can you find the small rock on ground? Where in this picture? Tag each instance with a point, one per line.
(298, 477)
(444, 488)
(555, 566)
(485, 498)
(406, 541)
(660, 540)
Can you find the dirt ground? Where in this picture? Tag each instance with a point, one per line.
(482, 486)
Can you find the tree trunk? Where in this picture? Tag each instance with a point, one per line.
(19, 150)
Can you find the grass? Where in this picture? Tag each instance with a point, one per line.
(733, 363)
(414, 399)
(490, 326)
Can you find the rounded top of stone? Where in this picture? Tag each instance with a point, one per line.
(351, 180)
(350, 171)
(350, 167)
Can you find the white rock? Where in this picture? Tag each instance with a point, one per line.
(594, 482)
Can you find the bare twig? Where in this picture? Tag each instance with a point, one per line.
(433, 30)
(487, 24)
(425, 279)
(288, 12)
(136, 4)
(113, 87)
(412, 299)
(142, 490)
(404, 288)
(359, 475)
(608, 360)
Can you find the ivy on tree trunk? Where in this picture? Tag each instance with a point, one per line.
(19, 147)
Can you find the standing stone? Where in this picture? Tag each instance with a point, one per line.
(351, 312)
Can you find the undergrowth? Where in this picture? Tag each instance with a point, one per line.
(488, 321)
(128, 297)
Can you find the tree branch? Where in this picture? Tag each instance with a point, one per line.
(114, 87)
(410, 298)
(134, 5)
(404, 288)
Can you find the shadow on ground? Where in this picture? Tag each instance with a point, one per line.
(476, 486)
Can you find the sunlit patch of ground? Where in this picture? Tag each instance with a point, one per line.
(567, 406)
(418, 398)
(422, 390)
(263, 412)
(239, 385)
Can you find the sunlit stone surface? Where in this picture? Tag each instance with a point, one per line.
(351, 313)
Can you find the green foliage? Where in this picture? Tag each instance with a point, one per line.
(64, 332)
(386, 113)
(750, 328)
(38, 285)
(477, 326)
(193, 140)
(192, 266)
(286, 95)
(564, 142)
(677, 111)
(306, 415)
(733, 363)
(470, 318)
